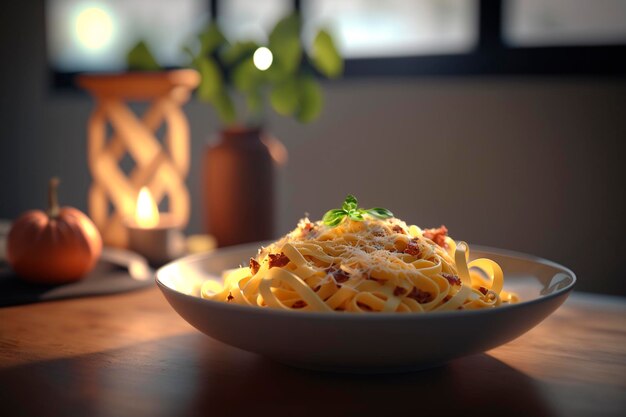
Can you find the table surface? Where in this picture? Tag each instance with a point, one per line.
(131, 354)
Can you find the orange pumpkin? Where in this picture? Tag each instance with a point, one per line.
(59, 246)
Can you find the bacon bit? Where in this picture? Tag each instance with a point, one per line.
(378, 233)
(437, 235)
(398, 229)
(341, 276)
(483, 290)
(309, 227)
(316, 289)
(254, 266)
(299, 304)
(278, 260)
(380, 281)
(447, 298)
(338, 275)
(452, 279)
(230, 297)
(413, 248)
(420, 296)
(399, 291)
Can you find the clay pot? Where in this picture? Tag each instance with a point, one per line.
(238, 181)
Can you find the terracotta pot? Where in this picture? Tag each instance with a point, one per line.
(238, 180)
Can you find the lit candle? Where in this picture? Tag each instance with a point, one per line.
(152, 234)
(146, 210)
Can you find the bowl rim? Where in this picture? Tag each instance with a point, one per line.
(272, 312)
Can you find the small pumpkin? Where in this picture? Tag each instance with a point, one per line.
(59, 246)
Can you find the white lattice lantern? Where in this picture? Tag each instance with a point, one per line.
(161, 166)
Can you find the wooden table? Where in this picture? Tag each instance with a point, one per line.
(131, 354)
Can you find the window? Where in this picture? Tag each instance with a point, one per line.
(251, 19)
(377, 38)
(564, 22)
(375, 29)
(95, 35)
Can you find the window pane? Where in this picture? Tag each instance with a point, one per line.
(372, 28)
(95, 35)
(564, 22)
(251, 19)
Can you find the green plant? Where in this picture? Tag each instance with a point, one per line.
(350, 209)
(229, 68)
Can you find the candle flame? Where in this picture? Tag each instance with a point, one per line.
(146, 211)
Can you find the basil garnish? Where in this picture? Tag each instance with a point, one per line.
(350, 209)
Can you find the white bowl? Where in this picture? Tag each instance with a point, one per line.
(351, 342)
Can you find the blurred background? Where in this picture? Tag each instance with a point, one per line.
(504, 120)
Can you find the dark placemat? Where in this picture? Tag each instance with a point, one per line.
(117, 271)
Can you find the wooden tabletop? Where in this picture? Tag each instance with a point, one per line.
(132, 355)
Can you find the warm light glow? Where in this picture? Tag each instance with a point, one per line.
(262, 58)
(146, 212)
(94, 28)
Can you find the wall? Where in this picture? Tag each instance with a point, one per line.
(533, 165)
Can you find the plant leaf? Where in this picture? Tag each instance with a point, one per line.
(381, 213)
(333, 217)
(212, 82)
(325, 56)
(284, 97)
(140, 58)
(254, 101)
(246, 77)
(225, 107)
(211, 38)
(350, 203)
(276, 73)
(284, 42)
(238, 52)
(310, 100)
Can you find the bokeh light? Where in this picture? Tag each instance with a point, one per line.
(262, 58)
(94, 28)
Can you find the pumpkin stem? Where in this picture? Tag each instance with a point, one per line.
(53, 200)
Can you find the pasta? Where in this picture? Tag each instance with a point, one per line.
(364, 264)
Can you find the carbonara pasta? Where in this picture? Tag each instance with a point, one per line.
(364, 263)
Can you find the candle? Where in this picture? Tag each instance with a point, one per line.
(156, 236)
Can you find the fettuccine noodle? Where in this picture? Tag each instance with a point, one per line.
(373, 265)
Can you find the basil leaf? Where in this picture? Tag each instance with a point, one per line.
(350, 208)
(381, 213)
(350, 203)
(356, 216)
(334, 217)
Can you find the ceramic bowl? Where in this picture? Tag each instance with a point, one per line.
(352, 342)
